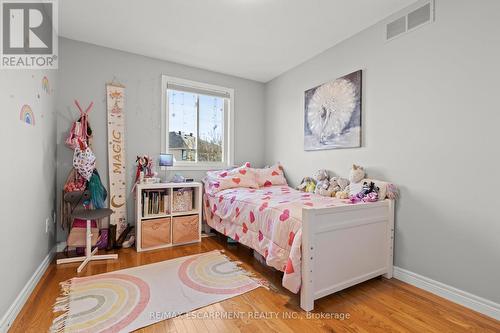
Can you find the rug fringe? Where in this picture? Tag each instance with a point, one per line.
(59, 324)
(61, 305)
(265, 284)
(260, 281)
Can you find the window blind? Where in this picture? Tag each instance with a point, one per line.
(207, 92)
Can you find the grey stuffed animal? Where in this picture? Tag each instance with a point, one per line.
(322, 183)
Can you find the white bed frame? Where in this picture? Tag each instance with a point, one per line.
(343, 246)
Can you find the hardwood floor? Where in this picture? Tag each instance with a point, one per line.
(378, 305)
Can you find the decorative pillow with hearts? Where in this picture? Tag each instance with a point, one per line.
(271, 176)
(244, 176)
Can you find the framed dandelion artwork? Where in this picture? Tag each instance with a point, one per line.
(332, 114)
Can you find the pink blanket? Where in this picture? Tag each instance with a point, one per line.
(269, 220)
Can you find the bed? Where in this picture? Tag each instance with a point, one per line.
(322, 244)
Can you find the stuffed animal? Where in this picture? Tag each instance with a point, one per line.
(334, 185)
(311, 187)
(371, 195)
(367, 188)
(342, 195)
(321, 175)
(322, 183)
(368, 193)
(307, 185)
(323, 188)
(356, 175)
(341, 185)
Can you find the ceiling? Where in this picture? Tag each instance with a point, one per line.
(253, 39)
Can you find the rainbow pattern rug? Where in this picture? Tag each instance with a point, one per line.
(129, 299)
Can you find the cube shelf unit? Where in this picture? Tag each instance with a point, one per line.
(168, 228)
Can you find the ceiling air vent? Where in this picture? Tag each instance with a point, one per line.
(410, 19)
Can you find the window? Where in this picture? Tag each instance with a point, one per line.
(197, 123)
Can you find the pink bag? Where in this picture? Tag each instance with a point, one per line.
(79, 129)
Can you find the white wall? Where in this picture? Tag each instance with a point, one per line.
(27, 177)
(430, 119)
(83, 71)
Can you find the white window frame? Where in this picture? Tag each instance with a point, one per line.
(228, 158)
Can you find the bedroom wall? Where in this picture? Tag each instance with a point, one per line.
(430, 125)
(84, 69)
(27, 176)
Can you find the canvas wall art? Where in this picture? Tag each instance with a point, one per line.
(332, 114)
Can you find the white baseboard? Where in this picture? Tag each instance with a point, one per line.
(476, 303)
(11, 314)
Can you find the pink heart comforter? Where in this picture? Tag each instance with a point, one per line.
(269, 220)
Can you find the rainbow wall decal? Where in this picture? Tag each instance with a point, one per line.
(45, 85)
(27, 115)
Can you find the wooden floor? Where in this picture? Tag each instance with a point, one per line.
(378, 305)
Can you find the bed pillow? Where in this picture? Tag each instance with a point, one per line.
(271, 176)
(244, 176)
(216, 173)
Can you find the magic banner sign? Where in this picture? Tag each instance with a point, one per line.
(116, 156)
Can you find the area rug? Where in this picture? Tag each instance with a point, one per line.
(126, 300)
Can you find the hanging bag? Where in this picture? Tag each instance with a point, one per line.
(74, 182)
(84, 160)
(80, 129)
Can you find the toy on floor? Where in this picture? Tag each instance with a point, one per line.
(129, 239)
